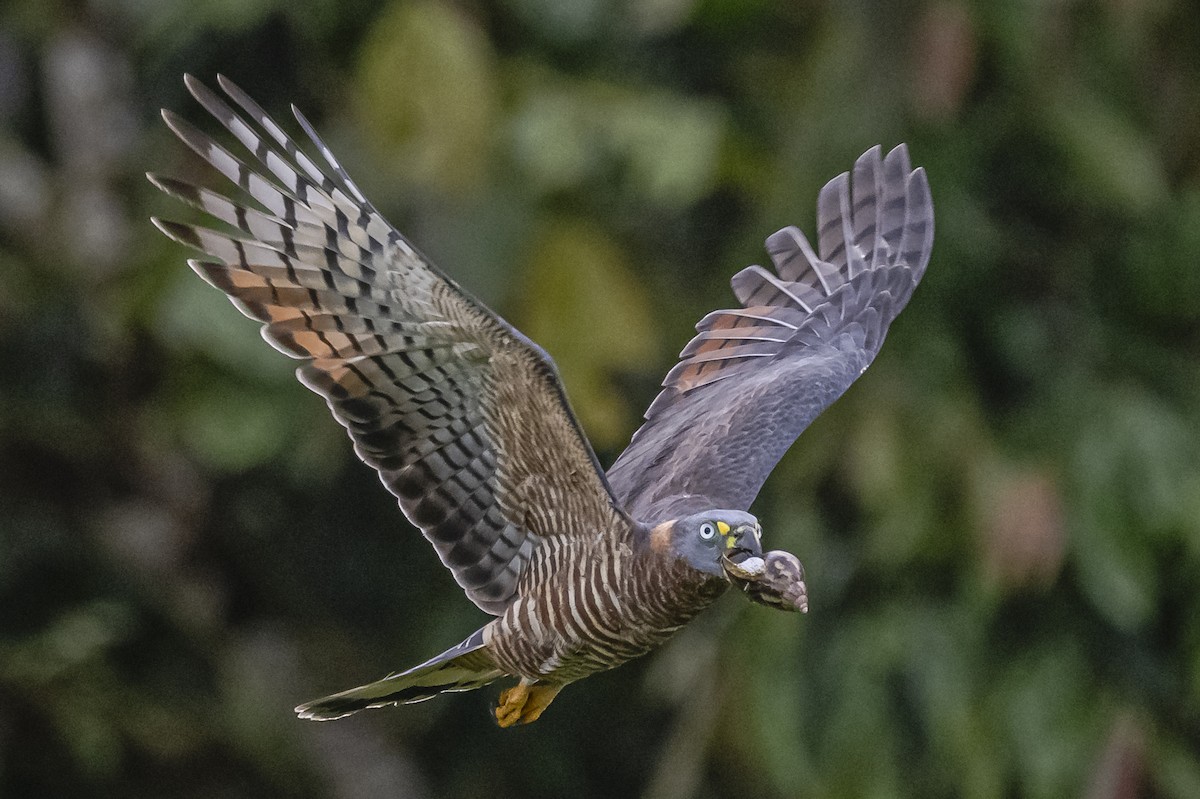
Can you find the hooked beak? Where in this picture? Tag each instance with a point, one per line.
(742, 559)
(744, 541)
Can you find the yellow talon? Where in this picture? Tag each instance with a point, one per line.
(524, 702)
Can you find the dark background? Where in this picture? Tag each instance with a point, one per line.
(1000, 521)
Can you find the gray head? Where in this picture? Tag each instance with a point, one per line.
(702, 539)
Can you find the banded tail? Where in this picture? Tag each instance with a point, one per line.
(462, 668)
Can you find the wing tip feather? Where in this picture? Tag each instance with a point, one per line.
(178, 232)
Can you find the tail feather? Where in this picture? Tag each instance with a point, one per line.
(462, 668)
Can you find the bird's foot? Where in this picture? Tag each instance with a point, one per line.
(512, 702)
(524, 703)
(540, 697)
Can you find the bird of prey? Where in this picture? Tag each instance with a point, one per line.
(468, 425)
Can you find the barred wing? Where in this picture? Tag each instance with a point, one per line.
(463, 417)
(754, 377)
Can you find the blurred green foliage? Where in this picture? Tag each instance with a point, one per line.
(1001, 521)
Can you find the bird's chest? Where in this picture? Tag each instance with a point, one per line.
(596, 610)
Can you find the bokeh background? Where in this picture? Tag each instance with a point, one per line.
(1001, 520)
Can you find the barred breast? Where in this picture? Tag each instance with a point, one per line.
(603, 601)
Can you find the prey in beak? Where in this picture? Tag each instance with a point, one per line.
(775, 579)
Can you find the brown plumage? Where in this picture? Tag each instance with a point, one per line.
(601, 601)
(467, 424)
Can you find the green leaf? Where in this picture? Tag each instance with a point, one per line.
(1133, 468)
(665, 146)
(428, 94)
(233, 428)
(1115, 163)
(195, 317)
(584, 305)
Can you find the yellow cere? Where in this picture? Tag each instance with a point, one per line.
(723, 527)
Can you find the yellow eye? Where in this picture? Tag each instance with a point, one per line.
(707, 531)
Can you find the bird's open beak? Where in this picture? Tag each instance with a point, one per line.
(741, 543)
(742, 559)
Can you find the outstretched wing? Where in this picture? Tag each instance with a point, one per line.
(754, 377)
(463, 417)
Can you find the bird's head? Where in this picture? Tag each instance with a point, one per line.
(703, 539)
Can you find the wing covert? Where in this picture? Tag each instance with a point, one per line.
(755, 376)
(463, 417)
